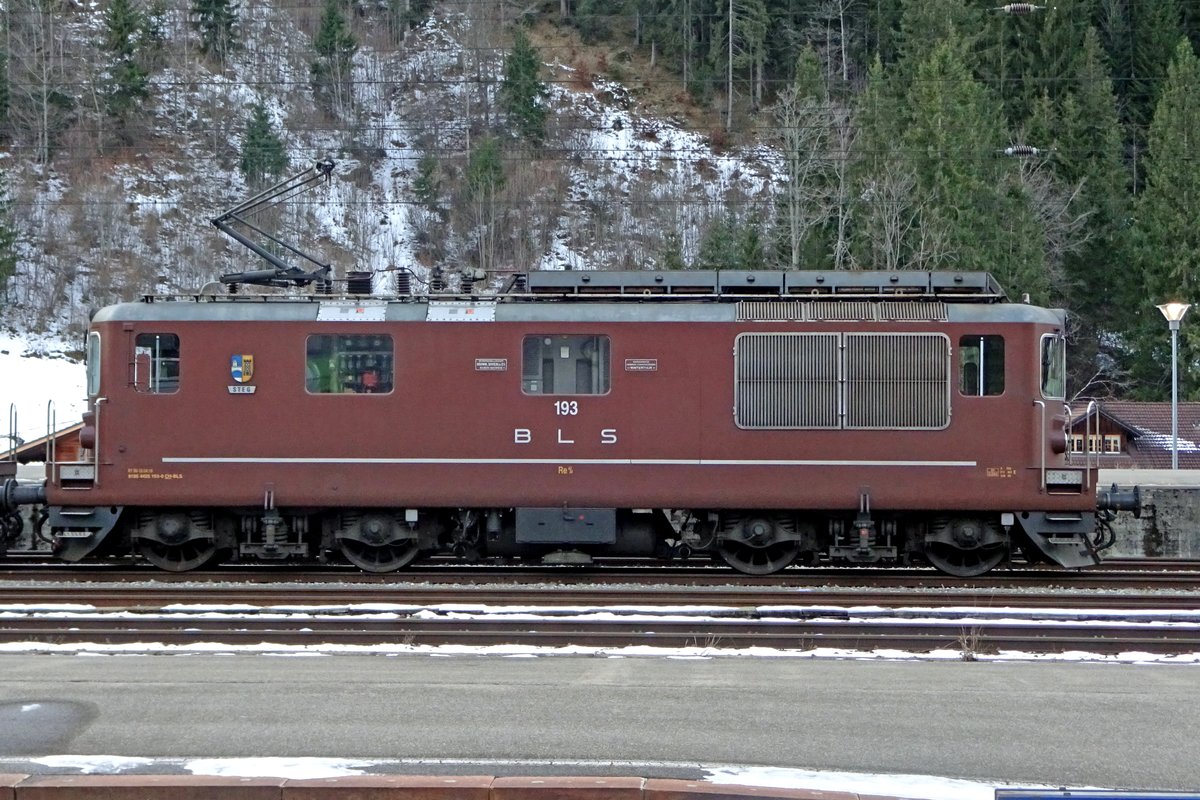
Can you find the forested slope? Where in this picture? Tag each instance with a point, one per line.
(1050, 145)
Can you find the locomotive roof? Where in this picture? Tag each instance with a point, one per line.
(635, 296)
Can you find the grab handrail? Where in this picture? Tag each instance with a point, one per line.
(1087, 438)
(1042, 405)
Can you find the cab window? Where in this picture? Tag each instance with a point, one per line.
(565, 364)
(349, 364)
(981, 365)
(93, 364)
(156, 363)
(1054, 367)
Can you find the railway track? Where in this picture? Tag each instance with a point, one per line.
(710, 619)
(1117, 573)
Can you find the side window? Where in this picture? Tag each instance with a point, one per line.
(1054, 367)
(565, 364)
(93, 364)
(155, 363)
(349, 364)
(981, 365)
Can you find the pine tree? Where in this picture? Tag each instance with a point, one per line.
(427, 186)
(128, 83)
(670, 253)
(1088, 152)
(331, 71)
(592, 19)
(217, 23)
(974, 202)
(1167, 239)
(729, 243)
(404, 15)
(485, 180)
(263, 154)
(884, 177)
(924, 24)
(5, 97)
(1155, 28)
(522, 92)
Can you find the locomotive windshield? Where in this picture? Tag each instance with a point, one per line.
(93, 364)
(1054, 367)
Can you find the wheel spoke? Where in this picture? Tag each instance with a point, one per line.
(965, 563)
(759, 560)
(379, 558)
(181, 557)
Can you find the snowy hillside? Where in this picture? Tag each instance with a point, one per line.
(600, 192)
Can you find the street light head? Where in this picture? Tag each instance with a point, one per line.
(1174, 311)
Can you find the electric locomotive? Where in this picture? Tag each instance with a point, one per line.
(765, 418)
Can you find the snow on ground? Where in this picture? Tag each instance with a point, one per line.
(346, 613)
(34, 372)
(918, 787)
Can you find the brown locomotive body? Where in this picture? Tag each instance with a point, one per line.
(764, 417)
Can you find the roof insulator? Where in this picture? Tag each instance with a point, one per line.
(1021, 150)
(1019, 9)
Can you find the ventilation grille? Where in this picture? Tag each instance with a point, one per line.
(879, 381)
(787, 380)
(841, 311)
(897, 381)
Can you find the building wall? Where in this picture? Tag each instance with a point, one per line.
(1169, 526)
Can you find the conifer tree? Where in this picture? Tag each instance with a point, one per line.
(5, 98)
(263, 154)
(217, 23)
(404, 15)
(427, 184)
(1088, 150)
(729, 243)
(522, 92)
(1155, 29)
(884, 177)
(975, 201)
(128, 83)
(331, 70)
(485, 180)
(1167, 237)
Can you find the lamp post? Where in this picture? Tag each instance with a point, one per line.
(1174, 313)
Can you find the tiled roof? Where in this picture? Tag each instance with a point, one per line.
(1149, 431)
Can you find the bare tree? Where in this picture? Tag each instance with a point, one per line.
(804, 126)
(844, 135)
(888, 214)
(1065, 229)
(39, 73)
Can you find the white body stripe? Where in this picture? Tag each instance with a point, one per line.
(683, 462)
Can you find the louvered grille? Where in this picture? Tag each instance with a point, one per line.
(897, 381)
(919, 310)
(842, 311)
(886, 381)
(787, 380)
(769, 311)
